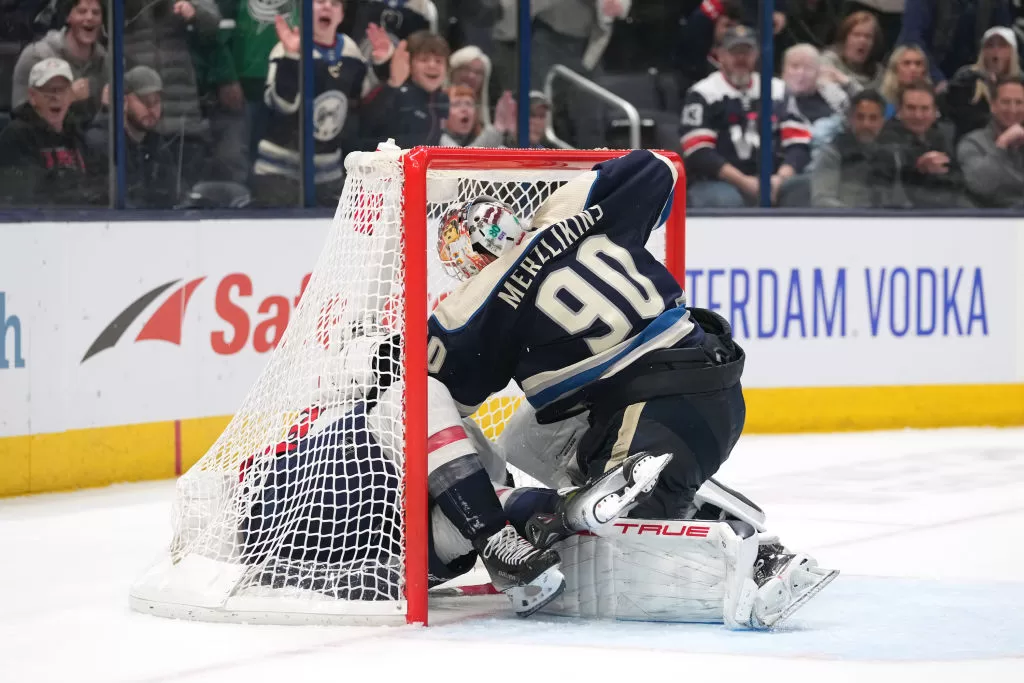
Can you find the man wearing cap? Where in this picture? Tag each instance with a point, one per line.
(971, 88)
(721, 135)
(151, 168)
(950, 31)
(43, 157)
(540, 105)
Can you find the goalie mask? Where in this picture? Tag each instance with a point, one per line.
(475, 234)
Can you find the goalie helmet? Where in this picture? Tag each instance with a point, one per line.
(475, 234)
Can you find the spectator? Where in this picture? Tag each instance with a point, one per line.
(540, 105)
(471, 67)
(469, 22)
(907, 65)
(854, 171)
(570, 32)
(412, 105)
(700, 38)
(156, 35)
(464, 127)
(398, 20)
(815, 97)
(949, 32)
(927, 171)
(250, 42)
(43, 157)
(720, 131)
(339, 72)
(970, 89)
(813, 22)
(853, 59)
(222, 103)
(993, 157)
(887, 13)
(573, 33)
(375, 21)
(78, 45)
(151, 168)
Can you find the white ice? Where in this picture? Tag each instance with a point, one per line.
(925, 526)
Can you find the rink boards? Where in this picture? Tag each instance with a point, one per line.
(124, 347)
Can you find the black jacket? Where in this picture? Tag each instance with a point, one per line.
(851, 173)
(959, 104)
(43, 167)
(924, 190)
(408, 113)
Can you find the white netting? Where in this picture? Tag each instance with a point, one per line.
(293, 510)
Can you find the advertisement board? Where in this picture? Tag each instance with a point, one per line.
(858, 302)
(164, 326)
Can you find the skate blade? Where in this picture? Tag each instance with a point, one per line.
(643, 476)
(534, 596)
(803, 599)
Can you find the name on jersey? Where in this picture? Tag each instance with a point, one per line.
(557, 238)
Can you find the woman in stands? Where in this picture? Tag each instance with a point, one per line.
(907, 65)
(853, 61)
(465, 127)
(968, 100)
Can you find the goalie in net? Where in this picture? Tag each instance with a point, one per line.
(641, 392)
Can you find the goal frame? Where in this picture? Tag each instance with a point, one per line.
(416, 163)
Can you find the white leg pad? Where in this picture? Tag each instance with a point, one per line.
(649, 570)
(735, 506)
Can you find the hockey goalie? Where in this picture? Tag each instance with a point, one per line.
(633, 402)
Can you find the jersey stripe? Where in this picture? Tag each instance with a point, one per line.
(666, 331)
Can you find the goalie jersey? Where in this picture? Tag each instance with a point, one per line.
(579, 298)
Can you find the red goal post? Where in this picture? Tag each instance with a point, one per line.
(416, 164)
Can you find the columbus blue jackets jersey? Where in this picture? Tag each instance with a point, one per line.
(577, 301)
(720, 126)
(338, 73)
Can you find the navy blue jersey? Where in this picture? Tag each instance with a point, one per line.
(327, 496)
(339, 72)
(720, 126)
(579, 299)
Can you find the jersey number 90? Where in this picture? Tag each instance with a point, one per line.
(604, 261)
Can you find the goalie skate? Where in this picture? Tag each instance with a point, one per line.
(786, 581)
(599, 503)
(529, 576)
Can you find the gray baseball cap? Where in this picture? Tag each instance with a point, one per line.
(142, 80)
(738, 35)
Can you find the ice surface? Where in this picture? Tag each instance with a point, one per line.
(925, 526)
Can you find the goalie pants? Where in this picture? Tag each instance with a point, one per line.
(699, 428)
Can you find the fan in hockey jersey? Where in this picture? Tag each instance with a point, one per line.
(721, 132)
(339, 72)
(394, 19)
(583, 318)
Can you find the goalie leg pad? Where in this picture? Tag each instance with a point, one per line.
(655, 570)
(714, 498)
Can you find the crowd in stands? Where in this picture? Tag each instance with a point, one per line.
(898, 104)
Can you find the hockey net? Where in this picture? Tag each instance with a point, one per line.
(305, 510)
